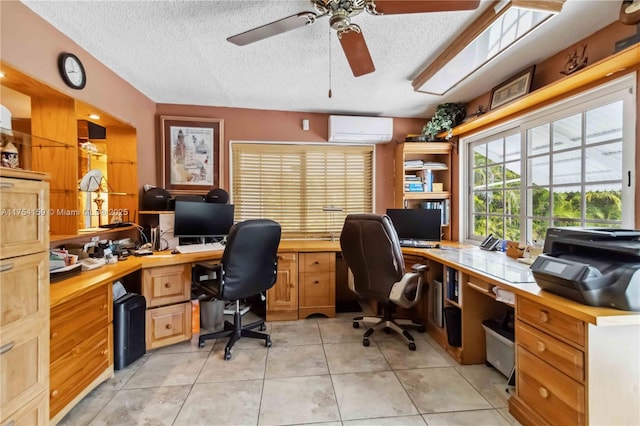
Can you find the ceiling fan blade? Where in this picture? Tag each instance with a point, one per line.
(394, 7)
(357, 52)
(274, 28)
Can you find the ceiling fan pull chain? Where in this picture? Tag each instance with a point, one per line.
(330, 64)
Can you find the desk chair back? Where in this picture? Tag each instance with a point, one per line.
(250, 258)
(372, 251)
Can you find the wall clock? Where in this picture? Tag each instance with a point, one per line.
(630, 12)
(72, 71)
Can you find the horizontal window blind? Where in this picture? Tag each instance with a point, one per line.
(294, 184)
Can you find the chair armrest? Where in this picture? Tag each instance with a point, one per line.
(419, 268)
(400, 292)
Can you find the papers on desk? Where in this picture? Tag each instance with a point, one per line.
(504, 296)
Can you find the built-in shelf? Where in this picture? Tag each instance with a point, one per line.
(417, 195)
(612, 66)
(156, 212)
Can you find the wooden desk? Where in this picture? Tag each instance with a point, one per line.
(601, 387)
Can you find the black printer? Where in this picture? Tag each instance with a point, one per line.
(594, 266)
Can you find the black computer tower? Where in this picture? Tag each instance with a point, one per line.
(128, 329)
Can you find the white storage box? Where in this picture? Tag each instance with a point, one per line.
(500, 352)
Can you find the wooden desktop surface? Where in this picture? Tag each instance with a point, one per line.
(71, 287)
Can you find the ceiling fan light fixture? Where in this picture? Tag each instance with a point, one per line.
(497, 29)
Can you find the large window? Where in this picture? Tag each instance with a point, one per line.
(570, 165)
(308, 188)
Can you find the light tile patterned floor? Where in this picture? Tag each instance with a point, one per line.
(317, 372)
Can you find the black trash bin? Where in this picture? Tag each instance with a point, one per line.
(128, 329)
(453, 322)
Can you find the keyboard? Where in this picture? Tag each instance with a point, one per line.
(197, 248)
(418, 243)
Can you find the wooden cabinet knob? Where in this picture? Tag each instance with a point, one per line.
(54, 334)
(316, 282)
(316, 263)
(541, 347)
(104, 352)
(54, 393)
(543, 392)
(168, 326)
(544, 316)
(103, 307)
(167, 285)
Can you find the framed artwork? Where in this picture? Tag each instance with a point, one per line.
(191, 154)
(514, 88)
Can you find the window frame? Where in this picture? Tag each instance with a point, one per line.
(621, 89)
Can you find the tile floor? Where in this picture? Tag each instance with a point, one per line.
(316, 372)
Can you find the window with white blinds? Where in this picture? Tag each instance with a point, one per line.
(299, 185)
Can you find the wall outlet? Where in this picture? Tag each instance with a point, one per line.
(94, 239)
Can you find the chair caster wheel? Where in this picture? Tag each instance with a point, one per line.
(365, 342)
(227, 354)
(387, 330)
(263, 327)
(267, 342)
(421, 329)
(356, 324)
(412, 346)
(201, 344)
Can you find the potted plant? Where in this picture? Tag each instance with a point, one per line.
(446, 117)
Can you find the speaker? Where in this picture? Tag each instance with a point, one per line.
(156, 199)
(217, 195)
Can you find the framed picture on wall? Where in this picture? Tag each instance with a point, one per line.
(512, 89)
(191, 154)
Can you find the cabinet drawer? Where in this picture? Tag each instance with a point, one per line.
(317, 289)
(168, 325)
(24, 362)
(75, 321)
(166, 285)
(565, 358)
(554, 396)
(24, 292)
(77, 368)
(35, 412)
(552, 321)
(24, 226)
(317, 262)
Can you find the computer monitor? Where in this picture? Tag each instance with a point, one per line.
(419, 224)
(200, 219)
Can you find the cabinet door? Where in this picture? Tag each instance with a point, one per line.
(24, 292)
(35, 412)
(166, 285)
(25, 208)
(282, 298)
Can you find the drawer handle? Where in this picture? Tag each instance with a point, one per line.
(7, 347)
(54, 393)
(541, 347)
(167, 285)
(6, 267)
(168, 326)
(316, 282)
(543, 392)
(11, 423)
(544, 316)
(316, 263)
(6, 185)
(104, 352)
(54, 335)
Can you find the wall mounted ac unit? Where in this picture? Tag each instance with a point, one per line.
(347, 128)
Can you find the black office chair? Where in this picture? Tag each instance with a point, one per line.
(249, 267)
(371, 249)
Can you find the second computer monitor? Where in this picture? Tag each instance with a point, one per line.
(199, 219)
(419, 224)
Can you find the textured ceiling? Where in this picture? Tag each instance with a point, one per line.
(176, 52)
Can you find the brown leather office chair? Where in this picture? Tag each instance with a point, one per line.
(371, 249)
(249, 267)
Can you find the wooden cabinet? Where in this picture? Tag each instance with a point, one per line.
(317, 284)
(81, 347)
(167, 290)
(282, 298)
(24, 298)
(423, 178)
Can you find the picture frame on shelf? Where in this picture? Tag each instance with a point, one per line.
(191, 154)
(512, 89)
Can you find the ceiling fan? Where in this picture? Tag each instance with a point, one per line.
(340, 13)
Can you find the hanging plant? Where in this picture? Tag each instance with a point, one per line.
(446, 117)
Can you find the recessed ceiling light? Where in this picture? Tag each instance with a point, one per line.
(94, 116)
